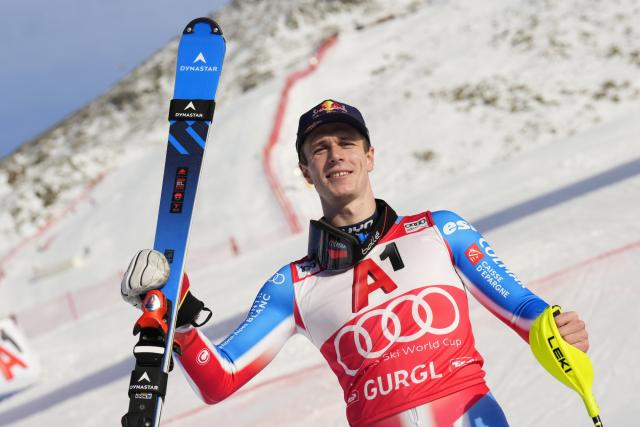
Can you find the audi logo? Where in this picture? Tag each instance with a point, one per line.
(395, 333)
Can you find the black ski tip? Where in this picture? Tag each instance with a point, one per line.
(213, 25)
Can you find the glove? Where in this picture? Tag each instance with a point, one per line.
(148, 270)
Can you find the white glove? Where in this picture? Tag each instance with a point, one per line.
(148, 270)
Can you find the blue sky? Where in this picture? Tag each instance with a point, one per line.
(58, 55)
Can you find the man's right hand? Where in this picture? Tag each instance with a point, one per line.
(148, 270)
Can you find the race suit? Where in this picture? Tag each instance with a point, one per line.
(394, 328)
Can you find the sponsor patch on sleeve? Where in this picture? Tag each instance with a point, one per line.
(305, 268)
(412, 227)
(474, 254)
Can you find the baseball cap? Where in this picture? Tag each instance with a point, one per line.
(329, 111)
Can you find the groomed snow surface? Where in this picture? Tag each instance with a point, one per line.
(563, 215)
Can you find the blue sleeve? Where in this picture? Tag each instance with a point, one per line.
(486, 276)
(272, 309)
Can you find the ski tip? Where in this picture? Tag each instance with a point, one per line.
(207, 25)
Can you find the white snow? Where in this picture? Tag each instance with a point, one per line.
(514, 99)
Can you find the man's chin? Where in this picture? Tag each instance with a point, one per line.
(341, 197)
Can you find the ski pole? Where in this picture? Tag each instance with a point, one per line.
(569, 365)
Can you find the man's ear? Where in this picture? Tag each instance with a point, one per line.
(370, 159)
(305, 173)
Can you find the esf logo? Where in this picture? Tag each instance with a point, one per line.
(451, 227)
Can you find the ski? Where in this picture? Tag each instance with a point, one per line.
(200, 57)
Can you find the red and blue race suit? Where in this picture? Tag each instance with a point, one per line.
(394, 328)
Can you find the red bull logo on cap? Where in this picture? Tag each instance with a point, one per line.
(328, 106)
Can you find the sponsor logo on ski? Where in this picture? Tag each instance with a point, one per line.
(414, 226)
(203, 356)
(144, 376)
(200, 59)
(474, 254)
(146, 387)
(195, 114)
(143, 396)
(393, 381)
(451, 227)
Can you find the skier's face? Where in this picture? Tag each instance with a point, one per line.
(337, 163)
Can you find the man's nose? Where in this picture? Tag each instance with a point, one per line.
(335, 153)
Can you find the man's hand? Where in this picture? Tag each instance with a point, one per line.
(573, 330)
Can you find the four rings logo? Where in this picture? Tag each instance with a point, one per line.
(392, 325)
(414, 226)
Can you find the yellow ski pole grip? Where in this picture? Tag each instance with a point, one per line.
(567, 364)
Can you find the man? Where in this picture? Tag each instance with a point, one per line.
(382, 296)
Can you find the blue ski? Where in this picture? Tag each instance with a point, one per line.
(200, 57)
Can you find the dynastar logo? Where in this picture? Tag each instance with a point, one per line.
(144, 387)
(200, 59)
(189, 112)
(474, 254)
(145, 377)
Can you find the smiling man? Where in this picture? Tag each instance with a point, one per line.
(382, 296)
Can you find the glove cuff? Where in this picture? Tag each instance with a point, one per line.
(192, 312)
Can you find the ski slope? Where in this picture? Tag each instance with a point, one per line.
(560, 208)
(548, 248)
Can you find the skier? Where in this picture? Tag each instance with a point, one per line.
(382, 296)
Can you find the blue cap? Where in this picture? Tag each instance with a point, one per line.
(329, 111)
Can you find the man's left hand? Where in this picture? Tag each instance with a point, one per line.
(573, 330)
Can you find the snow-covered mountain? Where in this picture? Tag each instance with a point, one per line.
(439, 81)
(472, 106)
